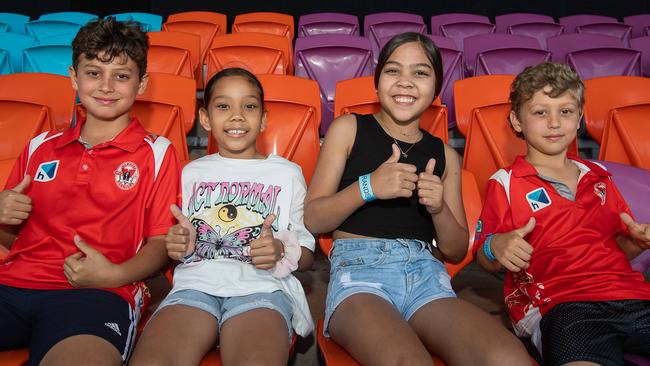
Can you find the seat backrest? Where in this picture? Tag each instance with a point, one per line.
(278, 24)
(386, 25)
(15, 43)
(540, 31)
(77, 17)
(328, 23)
(561, 45)
(38, 89)
(606, 61)
(441, 19)
(509, 60)
(292, 119)
(634, 185)
(57, 32)
(205, 24)
(471, 93)
(16, 22)
(461, 30)
(442, 42)
(182, 40)
(170, 60)
(639, 23)
(474, 45)
(504, 21)
(618, 30)
(329, 59)
(626, 136)
(642, 44)
(165, 107)
(148, 22)
(452, 70)
(5, 63)
(53, 59)
(260, 53)
(571, 22)
(606, 93)
(359, 96)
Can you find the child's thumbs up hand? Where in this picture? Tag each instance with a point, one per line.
(430, 189)
(15, 205)
(393, 179)
(511, 250)
(266, 250)
(639, 232)
(181, 238)
(90, 268)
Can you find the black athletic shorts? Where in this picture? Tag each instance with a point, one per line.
(598, 332)
(39, 319)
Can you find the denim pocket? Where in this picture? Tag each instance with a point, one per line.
(358, 258)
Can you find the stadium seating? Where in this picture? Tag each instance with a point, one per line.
(148, 22)
(328, 23)
(571, 22)
(504, 21)
(439, 20)
(15, 22)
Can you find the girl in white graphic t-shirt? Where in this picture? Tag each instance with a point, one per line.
(239, 236)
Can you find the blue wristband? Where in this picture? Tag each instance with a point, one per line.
(488, 250)
(365, 188)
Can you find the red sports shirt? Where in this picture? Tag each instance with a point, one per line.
(575, 256)
(114, 195)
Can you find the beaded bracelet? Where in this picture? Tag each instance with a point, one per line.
(488, 250)
(365, 188)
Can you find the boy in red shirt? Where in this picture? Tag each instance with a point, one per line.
(557, 224)
(85, 212)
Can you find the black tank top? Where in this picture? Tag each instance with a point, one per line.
(394, 218)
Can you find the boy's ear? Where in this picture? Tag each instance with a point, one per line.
(73, 77)
(263, 125)
(204, 119)
(142, 86)
(514, 121)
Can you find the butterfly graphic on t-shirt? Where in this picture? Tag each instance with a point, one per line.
(236, 245)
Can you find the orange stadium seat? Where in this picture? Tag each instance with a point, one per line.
(626, 136)
(293, 115)
(205, 24)
(481, 90)
(260, 53)
(606, 93)
(29, 108)
(358, 95)
(175, 53)
(265, 22)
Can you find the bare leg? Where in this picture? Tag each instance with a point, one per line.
(256, 337)
(374, 333)
(462, 334)
(178, 335)
(82, 350)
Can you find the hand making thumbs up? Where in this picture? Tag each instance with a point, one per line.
(430, 188)
(181, 238)
(511, 250)
(393, 179)
(15, 205)
(266, 250)
(90, 268)
(639, 232)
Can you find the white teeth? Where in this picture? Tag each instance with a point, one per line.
(235, 132)
(404, 99)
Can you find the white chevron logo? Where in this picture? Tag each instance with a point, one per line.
(114, 327)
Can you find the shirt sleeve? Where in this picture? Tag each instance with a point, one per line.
(296, 215)
(166, 191)
(496, 216)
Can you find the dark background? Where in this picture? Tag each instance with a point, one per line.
(616, 8)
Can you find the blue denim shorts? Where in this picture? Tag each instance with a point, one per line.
(400, 271)
(224, 308)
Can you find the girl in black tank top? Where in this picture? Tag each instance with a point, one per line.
(390, 192)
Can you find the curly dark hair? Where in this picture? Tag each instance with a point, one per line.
(105, 39)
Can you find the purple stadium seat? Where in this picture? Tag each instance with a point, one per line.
(444, 42)
(561, 45)
(618, 30)
(328, 23)
(639, 23)
(572, 22)
(540, 31)
(634, 185)
(506, 20)
(459, 31)
(442, 19)
(509, 60)
(385, 25)
(642, 44)
(329, 59)
(606, 61)
(474, 45)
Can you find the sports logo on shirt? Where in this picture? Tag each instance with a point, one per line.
(126, 175)
(600, 189)
(538, 199)
(46, 171)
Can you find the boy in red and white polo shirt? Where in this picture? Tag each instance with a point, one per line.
(84, 213)
(561, 229)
